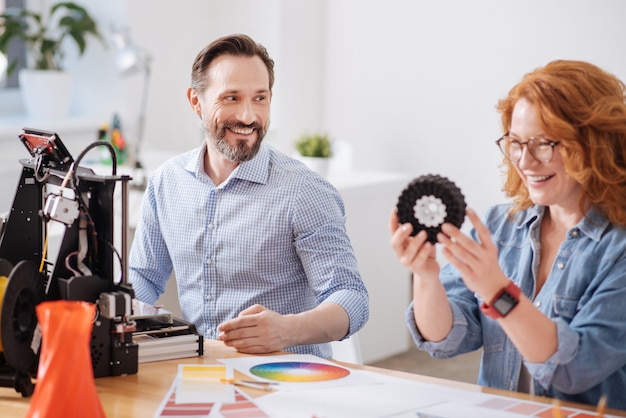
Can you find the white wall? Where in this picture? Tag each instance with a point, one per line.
(414, 84)
(411, 84)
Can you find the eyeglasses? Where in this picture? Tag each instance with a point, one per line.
(541, 149)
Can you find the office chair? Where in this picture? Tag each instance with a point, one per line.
(348, 350)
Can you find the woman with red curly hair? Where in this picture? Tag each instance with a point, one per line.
(540, 285)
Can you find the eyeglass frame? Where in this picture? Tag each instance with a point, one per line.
(549, 142)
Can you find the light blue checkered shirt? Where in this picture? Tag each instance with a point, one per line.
(273, 233)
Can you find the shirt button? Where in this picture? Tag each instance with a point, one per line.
(208, 298)
(211, 226)
(538, 303)
(575, 233)
(208, 261)
(561, 266)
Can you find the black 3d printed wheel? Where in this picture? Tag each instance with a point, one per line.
(429, 201)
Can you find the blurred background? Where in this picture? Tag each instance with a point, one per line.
(411, 85)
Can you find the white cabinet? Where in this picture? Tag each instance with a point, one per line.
(369, 198)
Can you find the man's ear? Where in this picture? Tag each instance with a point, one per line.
(194, 101)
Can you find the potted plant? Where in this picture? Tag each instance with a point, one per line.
(315, 151)
(43, 35)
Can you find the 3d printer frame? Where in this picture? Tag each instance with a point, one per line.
(54, 187)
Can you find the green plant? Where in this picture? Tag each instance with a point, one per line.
(316, 145)
(43, 34)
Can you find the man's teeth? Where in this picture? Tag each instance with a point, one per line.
(537, 178)
(242, 131)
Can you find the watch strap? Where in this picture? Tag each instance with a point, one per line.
(503, 303)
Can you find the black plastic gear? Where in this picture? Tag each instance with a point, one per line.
(24, 291)
(429, 201)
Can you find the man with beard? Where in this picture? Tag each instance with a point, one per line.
(257, 241)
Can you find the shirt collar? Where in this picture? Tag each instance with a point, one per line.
(529, 216)
(593, 224)
(255, 170)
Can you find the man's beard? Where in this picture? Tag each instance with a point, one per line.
(240, 151)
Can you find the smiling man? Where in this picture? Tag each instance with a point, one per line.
(257, 241)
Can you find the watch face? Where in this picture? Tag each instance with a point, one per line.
(505, 303)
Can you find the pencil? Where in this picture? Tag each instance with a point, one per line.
(601, 406)
(253, 384)
(556, 409)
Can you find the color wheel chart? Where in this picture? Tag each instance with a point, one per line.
(297, 371)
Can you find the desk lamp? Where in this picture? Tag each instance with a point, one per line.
(130, 60)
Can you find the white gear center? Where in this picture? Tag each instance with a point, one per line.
(430, 211)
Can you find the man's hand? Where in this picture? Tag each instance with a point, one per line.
(258, 330)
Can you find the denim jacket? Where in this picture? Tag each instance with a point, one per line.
(585, 296)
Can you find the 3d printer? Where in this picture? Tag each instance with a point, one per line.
(54, 187)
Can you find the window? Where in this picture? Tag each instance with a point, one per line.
(16, 51)
(10, 99)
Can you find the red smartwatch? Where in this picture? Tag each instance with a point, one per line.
(503, 303)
